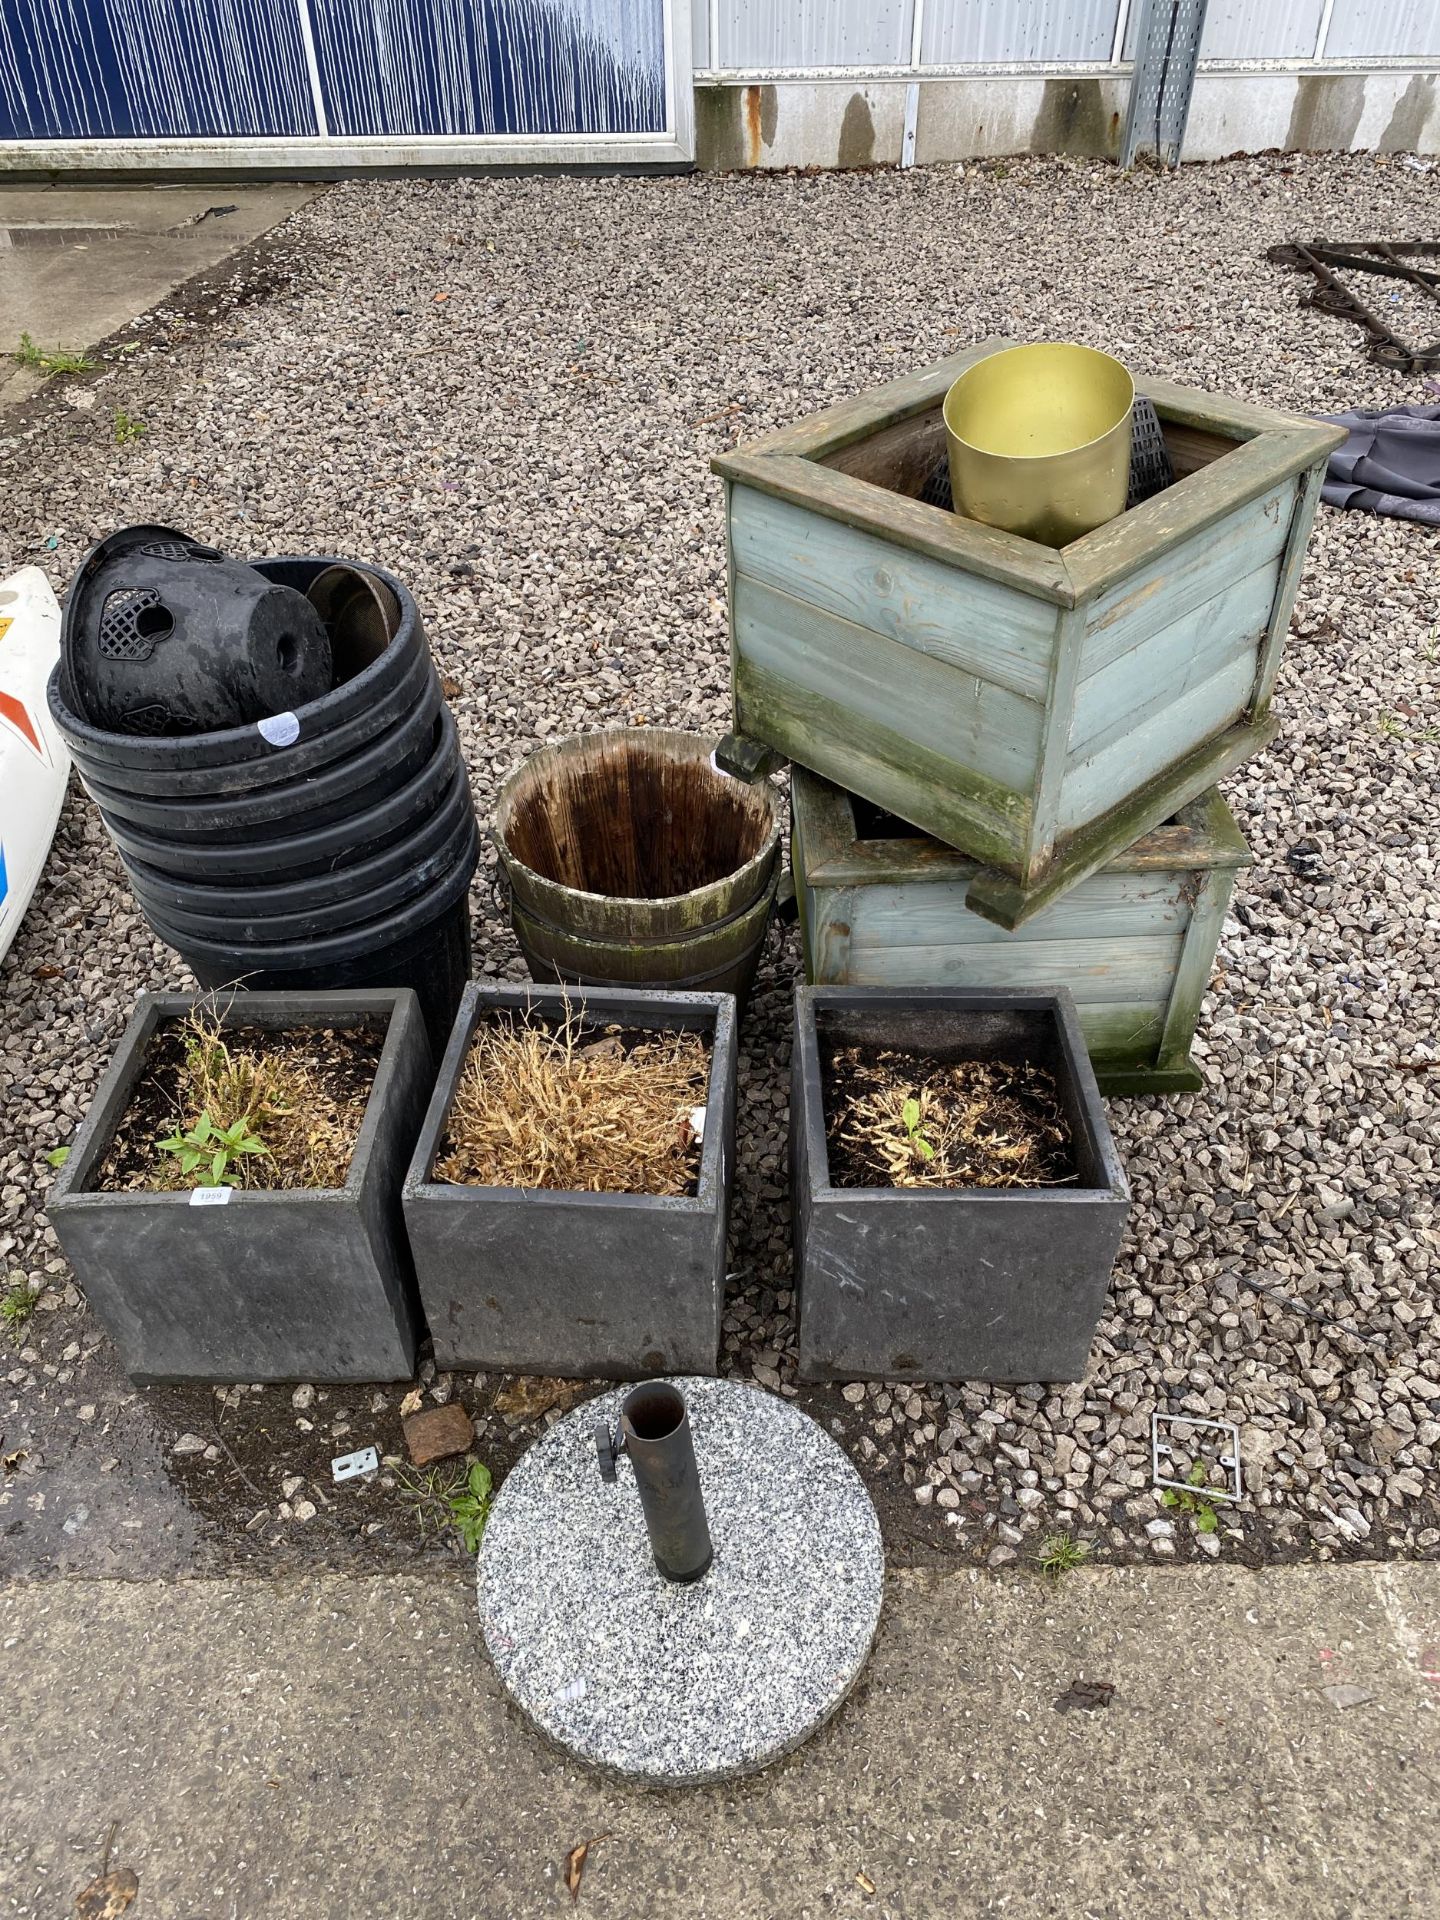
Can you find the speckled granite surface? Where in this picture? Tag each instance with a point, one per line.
(672, 1685)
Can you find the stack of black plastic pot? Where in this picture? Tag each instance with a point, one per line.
(325, 841)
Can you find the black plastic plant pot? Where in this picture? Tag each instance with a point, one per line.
(163, 635)
(314, 850)
(266, 915)
(363, 689)
(431, 956)
(299, 1284)
(594, 1285)
(951, 1283)
(334, 793)
(269, 764)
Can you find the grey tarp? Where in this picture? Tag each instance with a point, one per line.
(1389, 464)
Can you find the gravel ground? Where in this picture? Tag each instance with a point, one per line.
(508, 391)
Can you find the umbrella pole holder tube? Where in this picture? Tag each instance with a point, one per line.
(655, 1433)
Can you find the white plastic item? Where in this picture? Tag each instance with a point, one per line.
(34, 760)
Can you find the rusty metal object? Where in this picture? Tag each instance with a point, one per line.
(1321, 258)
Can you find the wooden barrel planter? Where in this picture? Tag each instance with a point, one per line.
(632, 861)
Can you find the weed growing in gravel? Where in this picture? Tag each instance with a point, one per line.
(1061, 1553)
(1391, 727)
(48, 360)
(17, 1304)
(446, 1497)
(1203, 1509)
(470, 1507)
(128, 428)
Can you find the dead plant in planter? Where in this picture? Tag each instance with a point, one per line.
(564, 1107)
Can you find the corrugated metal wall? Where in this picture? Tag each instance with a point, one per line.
(784, 35)
(954, 31)
(814, 33)
(1260, 29)
(233, 69)
(1403, 28)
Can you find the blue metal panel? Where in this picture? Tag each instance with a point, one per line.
(151, 69)
(491, 66)
(1017, 30)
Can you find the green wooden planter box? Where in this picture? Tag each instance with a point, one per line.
(1134, 943)
(1038, 709)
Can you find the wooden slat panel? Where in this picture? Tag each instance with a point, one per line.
(1095, 971)
(1187, 576)
(1113, 834)
(1217, 412)
(902, 456)
(1286, 587)
(978, 728)
(1120, 1032)
(1203, 835)
(1196, 965)
(1166, 667)
(977, 626)
(892, 771)
(1107, 557)
(1191, 448)
(988, 552)
(1106, 908)
(1095, 785)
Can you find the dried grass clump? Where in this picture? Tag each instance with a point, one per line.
(966, 1123)
(279, 1090)
(541, 1106)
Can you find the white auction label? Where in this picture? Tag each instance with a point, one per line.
(210, 1196)
(279, 729)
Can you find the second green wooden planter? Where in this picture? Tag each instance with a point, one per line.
(884, 906)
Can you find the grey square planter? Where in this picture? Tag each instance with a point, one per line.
(957, 1284)
(309, 1284)
(594, 1285)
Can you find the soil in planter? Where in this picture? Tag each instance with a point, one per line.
(909, 1120)
(301, 1093)
(577, 1108)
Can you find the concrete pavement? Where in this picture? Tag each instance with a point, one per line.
(337, 1746)
(77, 263)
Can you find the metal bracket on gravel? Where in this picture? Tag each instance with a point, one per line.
(1164, 1438)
